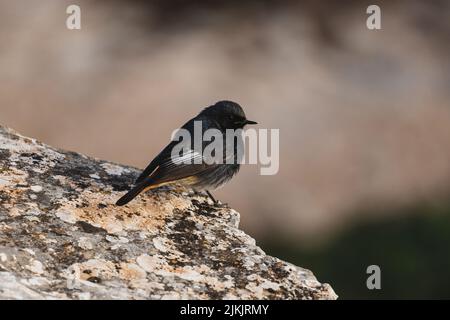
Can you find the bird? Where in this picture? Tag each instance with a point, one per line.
(191, 169)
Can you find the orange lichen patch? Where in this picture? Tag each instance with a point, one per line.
(10, 179)
(12, 176)
(14, 197)
(100, 210)
(14, 194)
(95, 268)
(5, 228)
(131, 271)
(14, 212)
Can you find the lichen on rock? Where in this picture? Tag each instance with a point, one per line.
(62, 237)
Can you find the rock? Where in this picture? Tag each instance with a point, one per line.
(62, 237)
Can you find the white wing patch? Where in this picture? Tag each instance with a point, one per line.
(191, 157)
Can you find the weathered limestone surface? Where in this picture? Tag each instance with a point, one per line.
(62, 237)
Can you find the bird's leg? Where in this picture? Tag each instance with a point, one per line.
(211, 197)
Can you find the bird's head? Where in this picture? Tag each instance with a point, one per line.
(228, 114)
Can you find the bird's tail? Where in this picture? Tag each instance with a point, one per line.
(130, 195)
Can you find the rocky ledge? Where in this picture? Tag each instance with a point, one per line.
(62, 237)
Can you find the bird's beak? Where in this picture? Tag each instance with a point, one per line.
(250, 122)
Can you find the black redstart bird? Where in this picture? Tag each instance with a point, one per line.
(191, 168)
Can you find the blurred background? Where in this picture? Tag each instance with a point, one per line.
(364, 116)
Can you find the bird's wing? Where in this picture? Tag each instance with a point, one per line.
(167, 167)
(155, 163)
(178, 168)
(162, 155)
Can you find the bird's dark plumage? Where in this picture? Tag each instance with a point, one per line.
(202, 176)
